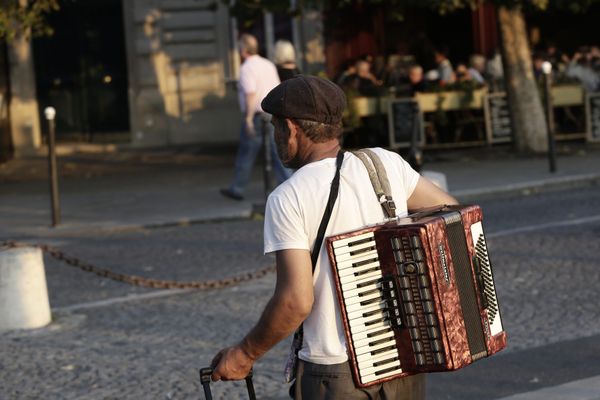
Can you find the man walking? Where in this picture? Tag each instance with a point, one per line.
(307, 114)
(257, 77)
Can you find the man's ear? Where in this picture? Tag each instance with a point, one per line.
(292, 128)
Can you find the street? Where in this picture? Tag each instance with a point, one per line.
(109, 340)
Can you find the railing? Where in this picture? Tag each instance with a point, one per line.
(488, 112)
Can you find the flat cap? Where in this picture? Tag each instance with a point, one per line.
(306, 97)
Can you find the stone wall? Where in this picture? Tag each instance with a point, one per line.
(179, 66)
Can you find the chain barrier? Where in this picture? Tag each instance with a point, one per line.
(139, 280)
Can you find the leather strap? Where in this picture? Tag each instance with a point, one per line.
(333, 194)
(379, 180)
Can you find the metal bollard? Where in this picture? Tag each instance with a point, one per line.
(547, 70)
(50, 113)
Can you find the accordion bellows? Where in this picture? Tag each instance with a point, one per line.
(417, 294)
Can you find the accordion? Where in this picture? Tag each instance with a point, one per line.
(416, 294)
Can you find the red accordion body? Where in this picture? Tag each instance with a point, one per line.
(416, 294)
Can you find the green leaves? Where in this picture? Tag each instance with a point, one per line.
(27, 17)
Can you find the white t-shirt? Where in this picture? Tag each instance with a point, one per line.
(257, 75)
(293, 214)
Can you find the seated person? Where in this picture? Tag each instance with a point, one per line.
(363, 81)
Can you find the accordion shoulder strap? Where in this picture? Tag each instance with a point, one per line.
(379, 180)
(333, 193)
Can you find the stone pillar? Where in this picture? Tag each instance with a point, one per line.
(23, 293)
(178, 54)
(24, 112)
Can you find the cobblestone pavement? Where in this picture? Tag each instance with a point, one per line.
(547, 282)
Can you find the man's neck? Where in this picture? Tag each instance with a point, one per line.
(325, 150)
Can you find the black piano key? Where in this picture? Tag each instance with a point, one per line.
(384, 362)
(376, 321)
(370, 301)
(368, 292)
(385, 371)
(367, 271)
(363, 250)
(379, 332)
(361, 241)
(376, 342)
(383, 350)
(368, 283)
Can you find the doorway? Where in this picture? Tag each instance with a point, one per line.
(81, 71)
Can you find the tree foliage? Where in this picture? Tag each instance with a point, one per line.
(247, 10)
(28, 17)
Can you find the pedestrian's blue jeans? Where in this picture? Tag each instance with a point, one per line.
(249, 149)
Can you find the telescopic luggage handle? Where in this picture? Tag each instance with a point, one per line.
(205, 374)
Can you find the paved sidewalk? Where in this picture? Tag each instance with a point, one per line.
(584, 389)
(123, 191)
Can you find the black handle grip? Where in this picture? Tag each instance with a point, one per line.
(205, 378)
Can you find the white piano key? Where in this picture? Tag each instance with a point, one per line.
(361, 268)
(365, 342)
(378, 358)
(349, 282)
(368, 357)
(372, 377)
(368, 348)
(366, 296)
(359, 332)
(347, 253)
(349, 293)
(358, 312)
(351, 263)
(353, 239)
(370, 371)
(364, 323)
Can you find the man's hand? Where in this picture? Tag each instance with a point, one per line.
(231, 364)
(250, 127)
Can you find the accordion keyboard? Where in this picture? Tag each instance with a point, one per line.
(372, 307)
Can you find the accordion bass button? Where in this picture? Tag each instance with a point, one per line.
(436, 345)
(428, 306)
(411, 321)
(419, 359)
(430, 319)
(438, 358)
(410, 268)
(409, 308)
(434, 332)
(417, 346)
